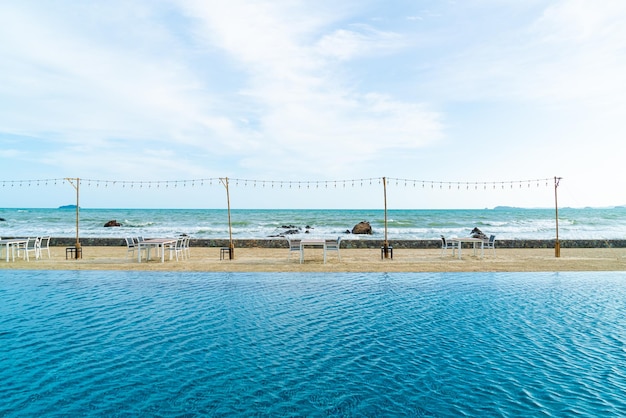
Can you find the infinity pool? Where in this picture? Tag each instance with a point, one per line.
(80, 343)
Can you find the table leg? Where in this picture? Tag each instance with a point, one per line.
(324, 253)
(301, 253)
(460, 245)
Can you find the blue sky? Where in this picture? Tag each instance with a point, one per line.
(447, 91)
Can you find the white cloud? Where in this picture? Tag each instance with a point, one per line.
(572, 51)
(9, 153)
(360, 40)
(75, 82)
(308, 90)
(305, 109)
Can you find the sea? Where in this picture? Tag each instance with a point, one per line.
(505, 222)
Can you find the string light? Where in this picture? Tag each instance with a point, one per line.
(344, 183)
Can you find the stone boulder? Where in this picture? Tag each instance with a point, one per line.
(362, 227)
(112, 223)
(477, 233)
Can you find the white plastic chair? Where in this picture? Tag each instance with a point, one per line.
(44, 245)
(177, 248)
(294, 245)
(130, 246)
(491, 243)
(30, 246)
(333, 245)
(186, 251)
(445, 245)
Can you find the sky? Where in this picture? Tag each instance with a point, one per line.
(464, 99)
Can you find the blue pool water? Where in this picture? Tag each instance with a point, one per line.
(80, 343)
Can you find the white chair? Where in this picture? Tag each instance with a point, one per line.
(491, 243)
(130, 246)
(333, 245)
(139, 239)
(294, 245)
(445, 245)
(186, 251)
(44, 245)
(177, 248)
(31, 246)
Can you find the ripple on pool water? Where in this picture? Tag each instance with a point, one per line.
(440, 344)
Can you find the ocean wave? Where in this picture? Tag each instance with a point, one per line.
(254, 224)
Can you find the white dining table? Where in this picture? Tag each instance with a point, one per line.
(312, 243)
(156, 243)
(472, 241)
(11, 244)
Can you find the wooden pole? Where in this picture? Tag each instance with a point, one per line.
(76, 186)
(386, 251)
(557, 244)
(231, 245)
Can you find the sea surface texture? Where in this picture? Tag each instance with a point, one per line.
(506, 223)
(86, 343)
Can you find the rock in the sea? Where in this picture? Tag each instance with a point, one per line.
(286, 230)
(2, 220)
(477, 233)
(362, 227)
(112, 223)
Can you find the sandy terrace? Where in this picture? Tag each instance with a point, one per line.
(352, 260)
